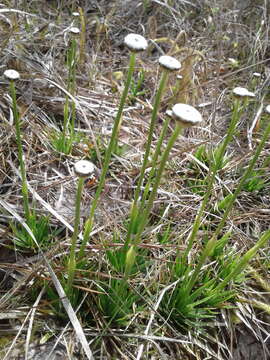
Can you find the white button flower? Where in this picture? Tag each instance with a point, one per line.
(186, 115)
(169, 63)
(12, 74)
(243, 92)
(84, 168)
(135, 42)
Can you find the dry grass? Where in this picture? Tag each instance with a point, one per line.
(204, 36)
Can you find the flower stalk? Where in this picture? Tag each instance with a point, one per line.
(211, 243)
(83, 169)
(12, 76)
(185, 116)
(168, 64)
(215, 166)
(135, 43)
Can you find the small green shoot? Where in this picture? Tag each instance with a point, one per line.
(117, 301)
(40, 227)
(256, 182)
(136, 88)
(63, 142)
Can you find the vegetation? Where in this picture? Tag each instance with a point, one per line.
(134, 193)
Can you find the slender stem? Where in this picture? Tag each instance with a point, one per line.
(72, 66)
(210, 179)
(162, 85)
(161, 88)
(134, 218)
(108, 154)
(244, 179)
(20, 152)
(153, 194)
(66, 115)
(146, 213)
(69, 107)
(72, 259)
(206, 252)
(72, 83)
(211, 243)
(132, 223)
(155, 158)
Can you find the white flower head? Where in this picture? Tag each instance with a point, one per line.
(84, 168)
(11, 74)
(75, 14)
(242, 92)
(186, 115)
(267, 109)
(135, 42)
(169, 63)
(74, 30)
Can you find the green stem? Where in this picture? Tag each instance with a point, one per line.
(20, 152)
(66, 115)
(211, 243)
(72, 259)
(132, 223)
(161, 88)
(162, 85)
(133, 216)
(153, 193)
(206, 252)
(154, 161)
(108, 154)
(244, 179)
(210, 179)
(146, 213)
(82, 37)
(70, 107)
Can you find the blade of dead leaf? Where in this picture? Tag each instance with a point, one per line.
(31, 321)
